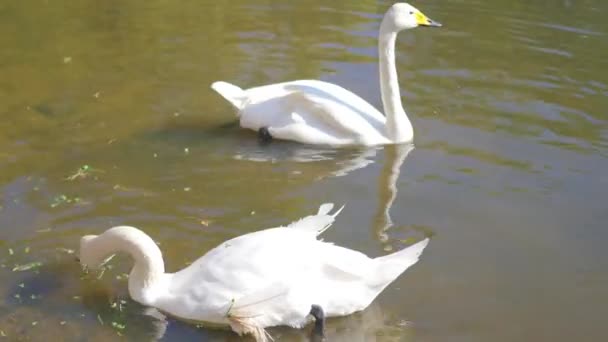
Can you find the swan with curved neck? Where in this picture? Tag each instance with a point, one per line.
(316, 112)
(276, 276)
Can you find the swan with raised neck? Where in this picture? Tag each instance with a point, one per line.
(317, 112)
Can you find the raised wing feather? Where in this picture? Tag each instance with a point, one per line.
(319, 222)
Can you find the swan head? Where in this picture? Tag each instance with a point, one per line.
(403, 16)
(89, 256)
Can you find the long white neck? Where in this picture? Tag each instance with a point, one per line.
(149, 266)
(398, 126)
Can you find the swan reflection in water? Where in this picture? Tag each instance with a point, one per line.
(338, 163)
(330, 162)
(395, 156)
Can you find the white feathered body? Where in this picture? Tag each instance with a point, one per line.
(273, 277)
(316, 112)
(308, 111)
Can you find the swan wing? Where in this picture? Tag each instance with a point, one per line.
(253, 303)
(233, 94)
(272, 277)
(313, 112)
(331, 108)
(309, 272)
(319, 222)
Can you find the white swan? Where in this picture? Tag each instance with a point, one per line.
(316, 112)
(277, 276)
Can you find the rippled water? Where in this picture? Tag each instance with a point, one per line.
(508, 174)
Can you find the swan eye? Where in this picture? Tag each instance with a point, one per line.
(411, 12)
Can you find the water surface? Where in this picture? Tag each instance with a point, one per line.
(508, 173)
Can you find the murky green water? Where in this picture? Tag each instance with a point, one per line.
(509, 103)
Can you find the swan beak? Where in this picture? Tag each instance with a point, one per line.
(423, 20)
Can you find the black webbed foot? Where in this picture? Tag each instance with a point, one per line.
(264, 135)
(318, 331)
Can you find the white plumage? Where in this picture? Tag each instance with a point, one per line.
(262, 279)
(316, 112)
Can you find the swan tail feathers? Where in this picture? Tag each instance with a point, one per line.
(319, 222)
(392, 265)
(233, 94)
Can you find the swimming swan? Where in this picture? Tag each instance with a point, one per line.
(276, 276)
(316, 112)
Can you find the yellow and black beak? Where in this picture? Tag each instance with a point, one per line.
(422, 20)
